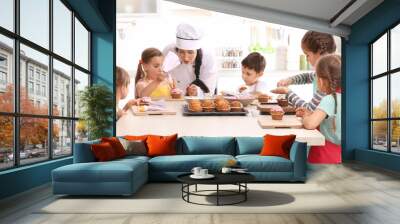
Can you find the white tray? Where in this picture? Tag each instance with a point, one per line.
(208, 176)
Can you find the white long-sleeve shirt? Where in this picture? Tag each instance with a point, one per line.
(184, 73)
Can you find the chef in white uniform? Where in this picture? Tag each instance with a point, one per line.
(195, 71)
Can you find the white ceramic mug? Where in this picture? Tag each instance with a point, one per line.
(226, 170)
(196, 171)
(203, 172)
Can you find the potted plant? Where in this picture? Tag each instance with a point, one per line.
(96, 103)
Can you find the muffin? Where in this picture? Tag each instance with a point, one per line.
(236, 106)
(283, 102)
(176, 93)
(195, 106)
(208, 105)
(263, 98)
(277, 113)
(222, 106)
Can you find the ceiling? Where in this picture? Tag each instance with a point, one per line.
(320, 9)
(330, 16)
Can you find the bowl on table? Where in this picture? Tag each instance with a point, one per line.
(244, 101)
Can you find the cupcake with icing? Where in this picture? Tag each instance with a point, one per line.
(176, 93)
(277, 113)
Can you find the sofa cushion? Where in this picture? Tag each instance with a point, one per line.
(134, 147)
(161, 145)
(249, 145)
(116, 145)
(136, 137)
(277, 145)
(132, 158)
(185, 163)
(257, 163)
(192, 145)
(83, 152)
(103, 152)
(112, 171)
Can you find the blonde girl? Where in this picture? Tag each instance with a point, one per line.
(328, 113)
(150, 80)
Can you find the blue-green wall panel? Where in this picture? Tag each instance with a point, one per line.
(356, 119)
(377, 158)
(356, 74)
(103, 59)
(24, 178)
(99, 16)
(89, 11)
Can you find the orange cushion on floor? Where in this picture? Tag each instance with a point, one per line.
(103, 152)
(277, 145)
(161, 145)
(136, 138)
(116, 145)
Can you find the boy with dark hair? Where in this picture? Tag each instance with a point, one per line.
(252, 69)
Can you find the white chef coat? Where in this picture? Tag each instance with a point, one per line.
(184, 73)
(260, 86)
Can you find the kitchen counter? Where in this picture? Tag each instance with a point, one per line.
(130, 124)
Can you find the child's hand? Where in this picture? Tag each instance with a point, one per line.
(191, 90)
(280, 90)
(130, 103)
(302, 112)
(284, 82)
(242, 88)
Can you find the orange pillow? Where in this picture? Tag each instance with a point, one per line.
(277, 145)
(116, 145)
(136, 138)
(103, 151)
(161, 145)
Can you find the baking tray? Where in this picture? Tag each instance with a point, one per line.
(186, 112)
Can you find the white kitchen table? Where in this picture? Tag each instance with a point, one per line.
(213, 126)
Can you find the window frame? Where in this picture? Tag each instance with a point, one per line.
(389, 73)
(15, 68)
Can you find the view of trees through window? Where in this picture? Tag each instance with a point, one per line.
(385, 96)
(32, 130)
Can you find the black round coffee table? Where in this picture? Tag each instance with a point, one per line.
(238, 179)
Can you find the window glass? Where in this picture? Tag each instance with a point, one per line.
(395, 95)
(34, 21)
(31, 58)
(62, 29)
(34, 144)
(395, 47)
(62, 91)
(62, 141)
(6, 142)
(379, 97)
(7, 14)
(6, 74)
(379, 135)
(81, 82)
(81, 131)
(379, 56)
(395, 138)
(81, 45)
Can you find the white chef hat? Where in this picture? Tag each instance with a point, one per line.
(188, 37)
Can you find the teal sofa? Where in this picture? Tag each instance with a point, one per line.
(125, 176)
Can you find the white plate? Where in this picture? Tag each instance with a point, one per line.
(208, 176)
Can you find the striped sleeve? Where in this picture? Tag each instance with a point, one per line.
(296, 101)
(303, 78)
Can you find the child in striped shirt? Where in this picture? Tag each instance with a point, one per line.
(314, 45)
